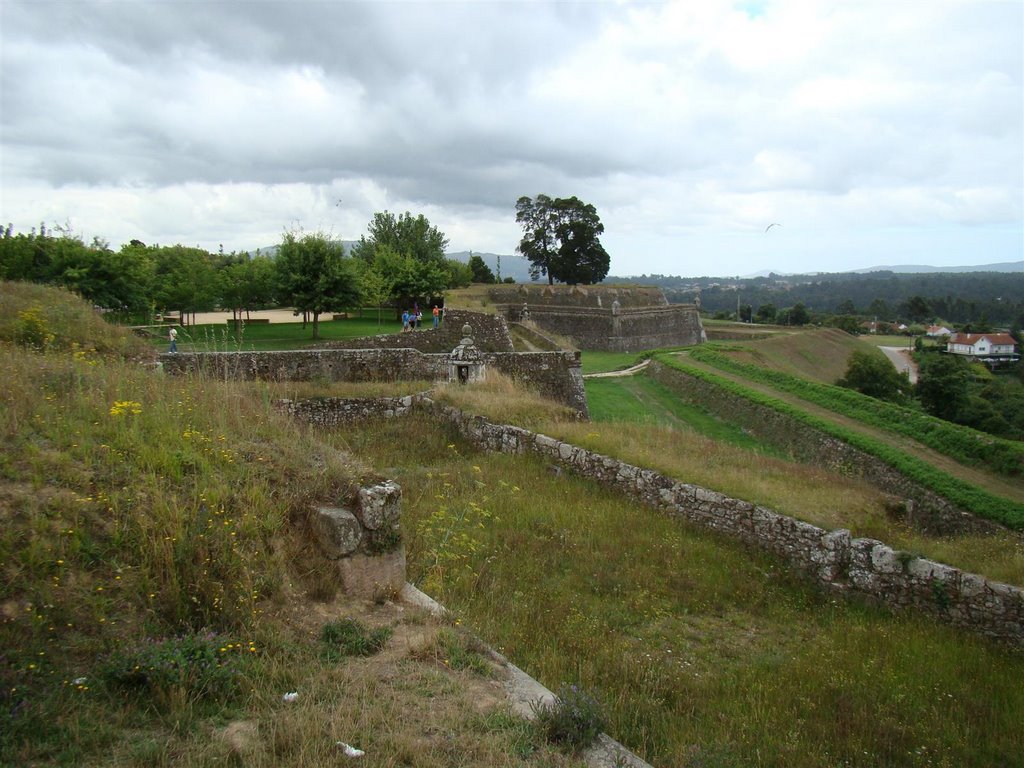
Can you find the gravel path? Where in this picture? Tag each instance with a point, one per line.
(900, 357)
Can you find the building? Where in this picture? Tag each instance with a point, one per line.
(938, 330)
(988, 348)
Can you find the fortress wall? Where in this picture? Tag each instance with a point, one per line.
(490, 334)
(922, 509)
(620, 330)
(580, 296)
(556, 375)
(835, 559)
(351, 365)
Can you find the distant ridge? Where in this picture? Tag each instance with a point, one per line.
(1006, 266)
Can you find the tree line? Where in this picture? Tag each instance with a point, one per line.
(970, 298)
(400, 260)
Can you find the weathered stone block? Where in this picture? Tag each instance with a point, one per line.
(373, 577)
(337, 530)
(885, 559)
(380, 505)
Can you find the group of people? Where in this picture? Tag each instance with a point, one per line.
(412, 318)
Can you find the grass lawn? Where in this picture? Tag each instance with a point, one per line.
(642, 400)
(275, 336)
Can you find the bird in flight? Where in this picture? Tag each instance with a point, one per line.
(773, 224)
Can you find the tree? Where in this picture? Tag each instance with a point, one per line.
(185, 279)
(766, 313)
(406, 235)
(410, 250)
(943, 385)
(560, 239)
(870, 372)
(376, 288)
(481, 272)
(315, 276)
(917, 309)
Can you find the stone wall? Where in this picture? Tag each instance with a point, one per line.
(578, 296)
(352, 365)
(921, 507)
(555, 375)
(620, 330)
(334, 411)
(834, 558)
(609, 318)
(490, 334)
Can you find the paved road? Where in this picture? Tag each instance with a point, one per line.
(900, 357)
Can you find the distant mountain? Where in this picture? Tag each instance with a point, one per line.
(1006, 266)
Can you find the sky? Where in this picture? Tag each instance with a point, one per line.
(872, 133)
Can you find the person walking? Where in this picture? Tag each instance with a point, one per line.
(437, 315)
(173, 335)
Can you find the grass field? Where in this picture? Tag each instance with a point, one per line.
(222, 337)
(705, 653)
(161, 594)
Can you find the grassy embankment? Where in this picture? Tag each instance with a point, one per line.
(704, 652)
(160, 594)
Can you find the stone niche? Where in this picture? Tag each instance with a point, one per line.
(365, 543)
(466, 362)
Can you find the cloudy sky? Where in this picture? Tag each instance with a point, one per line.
(873, 133)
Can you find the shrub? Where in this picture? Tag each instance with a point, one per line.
(574, 720)
(186, 668)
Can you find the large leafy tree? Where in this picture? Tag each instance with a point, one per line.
(246, 283)
(408, 251)
(561, 239)
(405, 234)
(315, 276)
(185, 279)
(869, 371)
(943, 385)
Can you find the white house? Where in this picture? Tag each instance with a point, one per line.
(937, 330)
(989, 347)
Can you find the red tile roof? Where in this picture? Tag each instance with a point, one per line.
(974, 338)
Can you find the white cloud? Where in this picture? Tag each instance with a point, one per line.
(689, 125)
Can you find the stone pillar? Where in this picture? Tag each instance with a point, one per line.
(365, 544)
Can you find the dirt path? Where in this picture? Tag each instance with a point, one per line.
(900, 357)
(997, 484)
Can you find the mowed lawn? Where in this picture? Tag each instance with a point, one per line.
(222, 337)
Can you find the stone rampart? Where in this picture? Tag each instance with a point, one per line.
(619, 330)
(922, 508)
(334, 411)
(352, 365)
(555, 375)
(834, 558)
(604, 317)
(490, 334)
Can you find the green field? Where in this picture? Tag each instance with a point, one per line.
(223, 337)
(162, 591)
